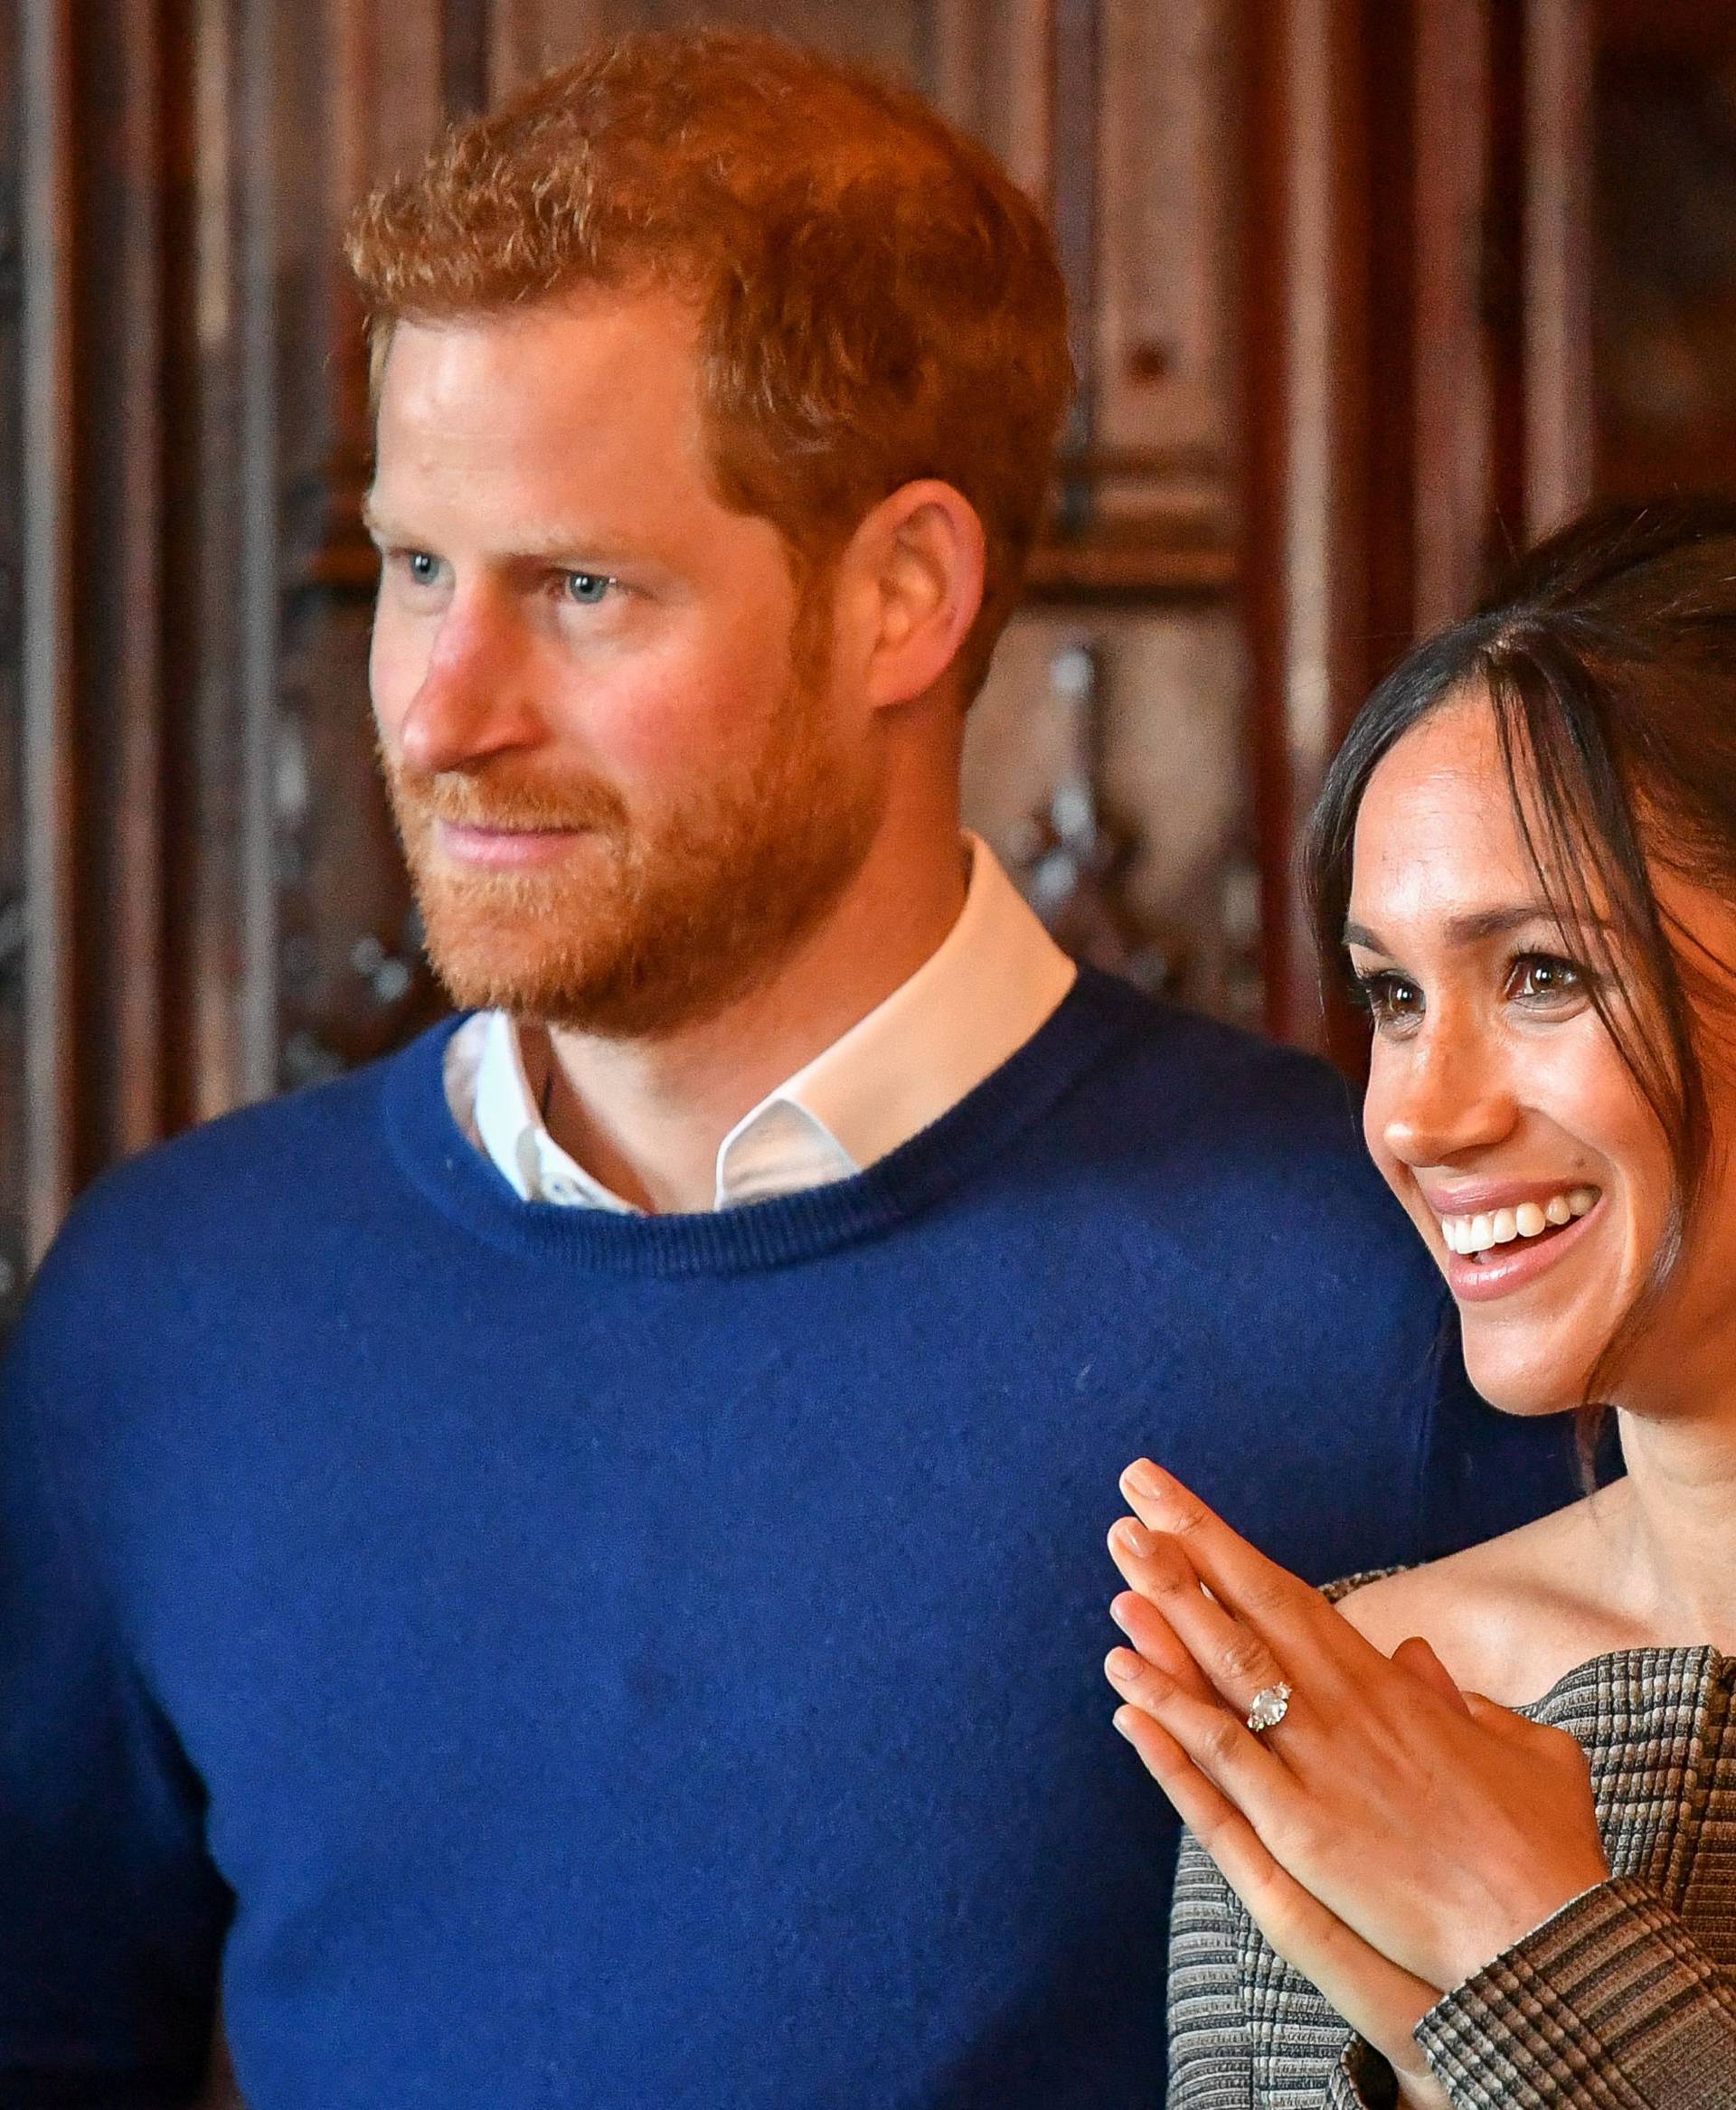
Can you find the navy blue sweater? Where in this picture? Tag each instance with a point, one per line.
(542, 1657)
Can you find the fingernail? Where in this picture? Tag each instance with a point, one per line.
(1118, 1719)
(1114, 1614)
(1147, 1479)
(1122, 1663)
(1135, 1537)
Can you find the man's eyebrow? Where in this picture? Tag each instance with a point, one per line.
(549, 546)
(1477, 926)
(558, 542)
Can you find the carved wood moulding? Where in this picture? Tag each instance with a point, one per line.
(95, 647)
(147, 661)
(1666, 214)
(1418, 396)
(366, 95)
(13, 919)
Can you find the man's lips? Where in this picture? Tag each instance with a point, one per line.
(470, 843)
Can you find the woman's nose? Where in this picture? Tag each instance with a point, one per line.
(1441, 1095)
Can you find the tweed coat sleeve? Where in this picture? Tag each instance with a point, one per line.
(1220, 1969)
(1210, 2041)
(1611, 2004)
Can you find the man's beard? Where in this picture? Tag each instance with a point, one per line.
(641, 929)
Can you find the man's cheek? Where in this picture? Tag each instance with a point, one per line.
(683, 722)
(395, 676)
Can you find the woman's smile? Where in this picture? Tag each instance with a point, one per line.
(1496, 1258)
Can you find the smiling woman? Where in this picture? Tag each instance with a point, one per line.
(1548, 794)
(1464, 1835)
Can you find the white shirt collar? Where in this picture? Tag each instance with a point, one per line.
(995, 978)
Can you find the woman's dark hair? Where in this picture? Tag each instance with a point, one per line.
(1608, 658)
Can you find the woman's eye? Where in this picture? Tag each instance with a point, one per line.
(1389, 998)
(1542, 978)
(588, 587)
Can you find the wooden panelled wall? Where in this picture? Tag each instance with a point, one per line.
(1327, 259)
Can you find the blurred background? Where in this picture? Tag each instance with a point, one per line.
(1367, 291)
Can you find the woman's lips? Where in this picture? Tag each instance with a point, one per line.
(1507, 1269)
(504, 846)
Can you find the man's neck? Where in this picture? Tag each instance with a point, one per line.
(648, 1118)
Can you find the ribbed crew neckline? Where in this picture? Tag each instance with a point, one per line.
(1096, 1015)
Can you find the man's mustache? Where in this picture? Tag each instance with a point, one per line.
(470, 799)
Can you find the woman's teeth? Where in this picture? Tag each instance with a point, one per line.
(1477, 1234)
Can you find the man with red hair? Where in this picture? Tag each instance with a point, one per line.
(513, 1557)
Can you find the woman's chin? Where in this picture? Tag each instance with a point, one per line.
(1527, 1392)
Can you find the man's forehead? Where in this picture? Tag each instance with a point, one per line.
(645, 336)
(566, 409)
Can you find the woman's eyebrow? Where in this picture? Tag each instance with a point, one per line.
(1477, 926)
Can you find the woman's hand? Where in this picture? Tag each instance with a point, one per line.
(1381, 2002)
(1390, 1835)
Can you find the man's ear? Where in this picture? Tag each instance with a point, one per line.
(913, 571)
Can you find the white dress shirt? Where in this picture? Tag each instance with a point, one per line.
(996, 977)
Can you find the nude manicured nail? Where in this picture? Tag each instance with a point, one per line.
(1135, 1537)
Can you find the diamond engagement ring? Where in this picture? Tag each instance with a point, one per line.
(1269, 1708)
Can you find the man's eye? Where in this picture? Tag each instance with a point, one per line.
(422, 568)
(588, 587)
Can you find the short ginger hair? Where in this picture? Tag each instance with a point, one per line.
(878, 302)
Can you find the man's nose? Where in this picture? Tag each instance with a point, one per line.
(1448, 1096)
(475, 698)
